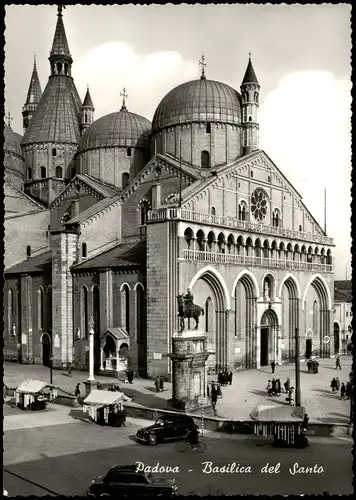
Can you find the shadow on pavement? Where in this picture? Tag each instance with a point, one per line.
(78, 414)
(279, 401)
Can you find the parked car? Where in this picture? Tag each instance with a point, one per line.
(125, 480)
(166, 428)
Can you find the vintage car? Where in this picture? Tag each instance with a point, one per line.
(166, 428)
(122, 480)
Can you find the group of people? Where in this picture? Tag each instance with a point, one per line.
(159, 384)
(225, 378)
(345, 390)
(274, 388)
(313, 366)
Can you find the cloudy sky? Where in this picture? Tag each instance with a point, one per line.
(301, 55)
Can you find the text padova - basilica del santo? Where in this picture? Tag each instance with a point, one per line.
(113, 218)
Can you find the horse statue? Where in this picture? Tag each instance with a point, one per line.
(187, 309)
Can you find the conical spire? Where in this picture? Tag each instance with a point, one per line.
(60, 44)
(88, 100)
(250, 75)
(34, 91)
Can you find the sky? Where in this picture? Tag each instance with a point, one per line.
(300, 53)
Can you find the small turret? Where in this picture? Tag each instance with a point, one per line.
(87, 112)
(250, 91)
(33, 97)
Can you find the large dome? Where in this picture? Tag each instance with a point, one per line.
(12, 141)
(117, 129)
(198, 100)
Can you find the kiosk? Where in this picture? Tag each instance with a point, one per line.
(106, 407)
(30, 396)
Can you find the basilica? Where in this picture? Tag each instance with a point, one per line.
(108, 220)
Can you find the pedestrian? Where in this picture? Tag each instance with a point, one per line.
(316, 367)
(348, 390)
(274, 388)
(77, 390)
(338, 363)
(342, 391)
(278, 387)
(287, 385)
(157, 383)
(309, 365)
(333, 384)
(130, 375)
(305, 423)
(214, 395)
(269, 388)
(161, 384)
(337, 384)
(218, 390)
(69, 367)
(208, 391)
(230, 377)
(220, 377)
(290, 397)
(273, 366)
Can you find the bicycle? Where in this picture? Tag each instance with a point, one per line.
(184, 445)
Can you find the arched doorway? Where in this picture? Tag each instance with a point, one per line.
(268, 337)
(317, 313)
(46, 349)
(309, 344)
(336, 338)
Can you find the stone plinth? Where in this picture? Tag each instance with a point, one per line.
(189, 358)
(90, 385)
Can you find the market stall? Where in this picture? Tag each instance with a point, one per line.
(30, 394)
(106, 407)
(284, 423)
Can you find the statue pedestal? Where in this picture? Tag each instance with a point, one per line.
(189, 376)
(89, 386)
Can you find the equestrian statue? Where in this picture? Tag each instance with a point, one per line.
(187, 309)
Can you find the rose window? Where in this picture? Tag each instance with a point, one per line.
(259, 205)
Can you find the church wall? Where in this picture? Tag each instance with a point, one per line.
(15, 203)
(108, 164)
(14, 169)
(223, 143)
(101, 230)
(35, 236)
(11, 341)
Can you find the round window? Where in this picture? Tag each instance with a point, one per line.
(259, 205)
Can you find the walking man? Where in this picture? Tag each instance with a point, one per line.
(161, 384)
(230, 377)
(158, 383)
(69, 366)
(273, 366)
(337, 364)
(342, 391)
(214, 395)
(77, 390)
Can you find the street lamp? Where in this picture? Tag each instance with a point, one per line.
(297, 369)
(91, 349)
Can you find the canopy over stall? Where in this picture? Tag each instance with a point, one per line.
(30, 386)
(277, 414)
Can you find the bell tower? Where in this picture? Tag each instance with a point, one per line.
(33, 97)
(250, 91)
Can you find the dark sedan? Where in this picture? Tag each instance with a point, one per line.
(125, 480)
(166, 428)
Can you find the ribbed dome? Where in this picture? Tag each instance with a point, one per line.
(117, 129)
(12, 141)
(198, 100)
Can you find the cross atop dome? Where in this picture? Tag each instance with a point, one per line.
(124, 95)
(202, 63)
(9, 118)
(60, 7)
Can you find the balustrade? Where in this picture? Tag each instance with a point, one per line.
(246, 260)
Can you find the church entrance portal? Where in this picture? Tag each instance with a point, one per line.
(46, 349)
(264, 345)
(308, 348)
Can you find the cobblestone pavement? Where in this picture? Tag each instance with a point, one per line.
(248, 388)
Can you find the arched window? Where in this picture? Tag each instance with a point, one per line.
(144, 210)
(54, 152)
(276, 218)
(85, 117)
(128, 152)
(29, 173)
(300, 228)
(205, 159)
(59, 67)
(96, 310)
(208, 128)
(28, 251)
(84, 250)
(242, 210)
(213, 211)
(43, 172)
(10, 310)
(59, 172)
(66, 71)
(40, 309)
(84, 311)
(188, 236)
(140, 313)
(125, 308)
(125, 180)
